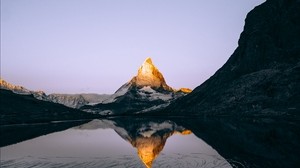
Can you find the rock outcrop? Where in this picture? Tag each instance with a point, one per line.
(262, 77)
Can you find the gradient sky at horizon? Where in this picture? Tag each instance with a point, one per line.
(95, 46)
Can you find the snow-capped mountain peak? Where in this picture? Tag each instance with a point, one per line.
(149, 75)
(146, 91)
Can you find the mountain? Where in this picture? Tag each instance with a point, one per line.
(21, 90)
(69, 100)
(262, 76)
(146, 91)
(149, 75)
(16, 89)
(27, 117)
(21, 109)
(77, 100)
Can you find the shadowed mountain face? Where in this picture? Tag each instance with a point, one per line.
(262, 77)
(21, 109)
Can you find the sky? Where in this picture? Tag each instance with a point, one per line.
(95, 46)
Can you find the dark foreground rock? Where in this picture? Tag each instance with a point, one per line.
(22, 109)
(262, 77)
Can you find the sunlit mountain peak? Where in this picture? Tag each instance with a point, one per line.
(148, 60)
(149, 75)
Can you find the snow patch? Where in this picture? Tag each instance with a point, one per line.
(120, 92)
(156, 107)
(151, 94)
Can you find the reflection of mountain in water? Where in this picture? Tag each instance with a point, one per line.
(252, 142)
(149, 137)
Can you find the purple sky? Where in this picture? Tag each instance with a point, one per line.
(95, 46)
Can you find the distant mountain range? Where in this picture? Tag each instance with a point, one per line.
(69, 100)
(25, 109)
(144, 92)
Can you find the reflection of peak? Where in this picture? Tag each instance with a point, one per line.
(148, 136)
(148, 148)
(149, 75)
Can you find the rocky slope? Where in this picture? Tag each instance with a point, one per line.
(146, 91)
(69, 100)
(16, 89)
(21, 109)
(77, 100)
(262, 76)
(22, 90)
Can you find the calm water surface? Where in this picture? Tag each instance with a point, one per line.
(115, 143)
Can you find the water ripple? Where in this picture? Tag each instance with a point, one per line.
(122, 161)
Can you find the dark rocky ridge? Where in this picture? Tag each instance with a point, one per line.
(262, 76)
(26, 109)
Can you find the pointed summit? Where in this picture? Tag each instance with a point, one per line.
(148, 60)
(149, 75)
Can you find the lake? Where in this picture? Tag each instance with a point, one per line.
(115, 143)
(148, 142)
